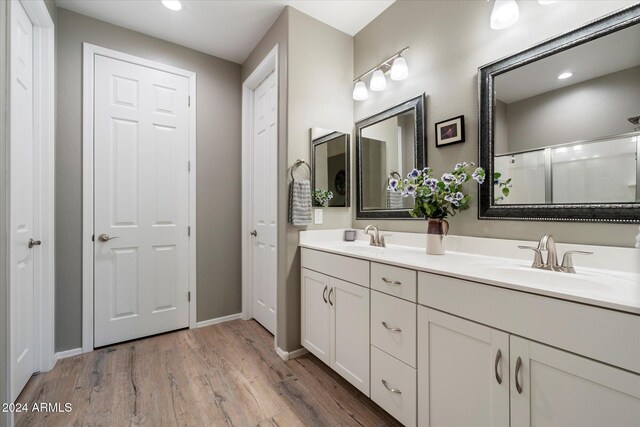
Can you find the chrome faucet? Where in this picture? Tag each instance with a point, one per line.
(376, 238)
(547, 243)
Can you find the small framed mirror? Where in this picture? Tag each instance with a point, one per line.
(559, 126)
(330, 162)
(390, 143)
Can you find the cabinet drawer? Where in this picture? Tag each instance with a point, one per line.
(396, 281)
(389, 373)
(341, 267)
(398, 337)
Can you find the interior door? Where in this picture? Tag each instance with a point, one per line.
(350, 332)
(551, 387)
(21, 201)
(463, 372)
(264, 189)
(141, 201)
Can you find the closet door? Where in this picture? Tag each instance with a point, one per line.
(350, 332)
(316, 314)
(463, 372)
(551, 387)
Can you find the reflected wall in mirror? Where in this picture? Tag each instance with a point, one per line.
(558, 126)
(330, 161)
(389, 143)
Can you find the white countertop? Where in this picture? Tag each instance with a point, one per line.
(615, 289)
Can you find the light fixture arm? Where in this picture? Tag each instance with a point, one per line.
(383, 63)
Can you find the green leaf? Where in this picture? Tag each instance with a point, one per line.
(505, 191)
(497, 175)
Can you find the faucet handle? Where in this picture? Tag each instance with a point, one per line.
(382, 241)
(567, 260)
(537, 258)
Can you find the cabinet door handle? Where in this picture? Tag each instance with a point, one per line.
(391, 329)
(330, 293)
(391, 282)
(324, 294)
(392, 390)
(495, 367)
(518, 367)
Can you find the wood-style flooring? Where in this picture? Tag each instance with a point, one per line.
(222, 375)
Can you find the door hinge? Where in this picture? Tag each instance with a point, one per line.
(189, 101)
(93, 237)
(189, 296)
(189, 166)
(189, 231)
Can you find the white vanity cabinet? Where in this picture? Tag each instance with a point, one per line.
(335, 315)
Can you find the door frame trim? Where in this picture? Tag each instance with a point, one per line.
(44, 192)
(267, 66)
(89, 52)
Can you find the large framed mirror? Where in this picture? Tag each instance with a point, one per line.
(559, 126)
(330, 162)
(389, 143)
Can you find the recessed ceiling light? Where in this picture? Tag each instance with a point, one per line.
(172, 4)
(565, 75)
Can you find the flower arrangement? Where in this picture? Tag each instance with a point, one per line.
(322, 197)
(503, 185)
(438, 198)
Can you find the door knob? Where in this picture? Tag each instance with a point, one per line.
(105, 237)
(254, 233)
(33, 243)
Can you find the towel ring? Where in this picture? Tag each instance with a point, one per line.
(395, 175)
(297, 164)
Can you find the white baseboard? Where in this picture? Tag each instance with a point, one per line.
(68, 353)
(288, 355)
(219, 320)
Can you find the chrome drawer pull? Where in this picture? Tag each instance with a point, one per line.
(391, 329)
(518, 367)
(495, 367)
(392, 390)
(391, 282)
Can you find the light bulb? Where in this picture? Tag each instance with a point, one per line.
(546, 2)
(360, 92)
(505, 13)
(399, 69)
(174, 5)
(378, 81)
(565, 75)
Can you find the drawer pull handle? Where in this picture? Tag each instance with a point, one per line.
(391, 282)
(391, 329)
(324, 294)
(330, 292)
(518, 367)
(495, 368)
(392, 390)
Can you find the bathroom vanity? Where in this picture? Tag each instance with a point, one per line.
(476, 337)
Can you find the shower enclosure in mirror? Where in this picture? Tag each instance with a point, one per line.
(330, 165)
(390, 143)
(559, 126)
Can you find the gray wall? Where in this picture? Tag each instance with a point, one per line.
(310, 52)
(218, 152)
(449, 40)
(586, 110)
(4, 172)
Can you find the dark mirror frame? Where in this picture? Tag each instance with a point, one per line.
(593, 212)
(347, 167)
(420, 154)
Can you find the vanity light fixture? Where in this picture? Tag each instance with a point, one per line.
(360, 92)
(505, 13)
(546, 2)
(174, 5)
(565, 75)
(378, 81)
(395, 65)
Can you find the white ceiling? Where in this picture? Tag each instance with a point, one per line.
(614, 52)
(228, 29)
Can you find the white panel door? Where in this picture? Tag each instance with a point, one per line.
(141, 201)
(316, 314)
(22, 201)
(264, 189)
(350, 332)
(463, 372)
(555, 388)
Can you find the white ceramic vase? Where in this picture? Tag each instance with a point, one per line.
(437, 229)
